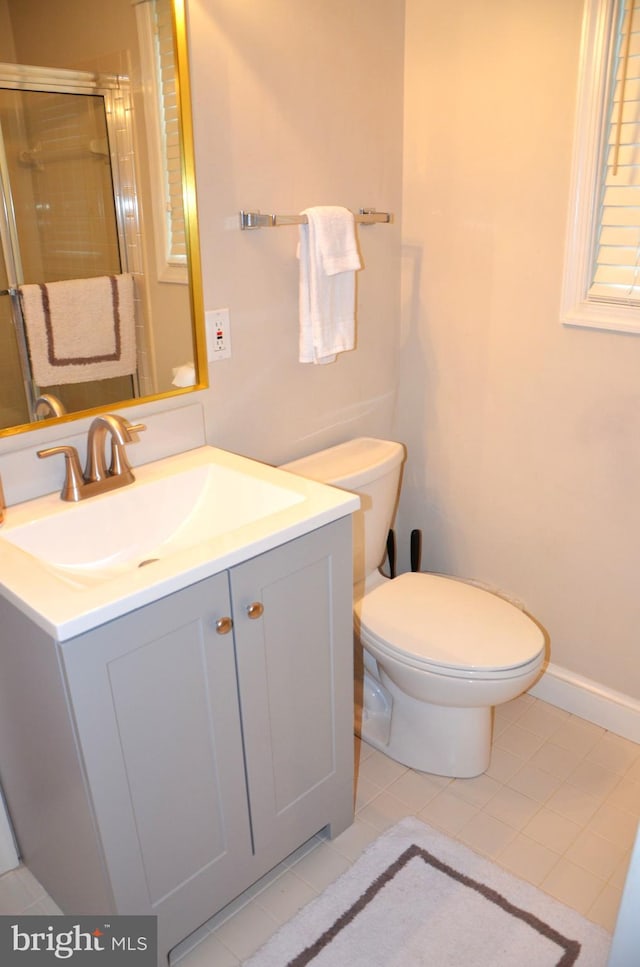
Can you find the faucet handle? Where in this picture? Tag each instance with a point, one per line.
(73, 481)
(119, 460)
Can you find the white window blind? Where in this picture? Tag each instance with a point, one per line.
(601, 286)
(616, 273)
(170, 132)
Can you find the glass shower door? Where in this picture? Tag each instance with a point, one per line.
(61, 200)
(14, 408)
(15, 390)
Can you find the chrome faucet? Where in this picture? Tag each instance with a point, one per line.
(97, 479)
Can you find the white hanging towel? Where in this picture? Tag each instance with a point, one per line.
(329, 259)
(80, 329)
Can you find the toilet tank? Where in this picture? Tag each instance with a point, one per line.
(371, 468)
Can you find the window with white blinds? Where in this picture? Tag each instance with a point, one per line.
(617, 252)
(602, 263)
(169, 130)
(162, 126)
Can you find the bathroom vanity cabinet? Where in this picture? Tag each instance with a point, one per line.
(164, 761)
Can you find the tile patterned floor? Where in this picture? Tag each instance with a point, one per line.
(559, 806)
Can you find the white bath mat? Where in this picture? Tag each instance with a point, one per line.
(416, 898)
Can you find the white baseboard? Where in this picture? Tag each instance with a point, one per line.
(603, 706)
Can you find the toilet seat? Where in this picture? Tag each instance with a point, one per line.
(448, 627)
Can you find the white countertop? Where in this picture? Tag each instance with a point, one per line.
(65, 609)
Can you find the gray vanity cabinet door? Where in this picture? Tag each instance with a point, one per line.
(155, 700)
(295, 675)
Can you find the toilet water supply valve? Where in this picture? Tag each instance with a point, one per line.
(415, 551)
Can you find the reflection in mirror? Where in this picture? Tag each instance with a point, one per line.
(100, 297)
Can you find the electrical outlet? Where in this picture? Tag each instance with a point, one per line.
(218, 328)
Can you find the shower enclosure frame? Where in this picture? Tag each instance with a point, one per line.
(116, 94)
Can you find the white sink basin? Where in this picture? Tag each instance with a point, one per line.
(71, 566)
(140, 524)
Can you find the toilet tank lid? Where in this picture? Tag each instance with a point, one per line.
(350, 464)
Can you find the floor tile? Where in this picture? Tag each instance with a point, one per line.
(615, 753)
(528, 859)
(512, 807)
(619, 876)
(626, 795)
(504, 764)
(243, 934)
(615, 824)
(578, 735)
(477, 791)
(233, 908)
(511, 711)
(634, 770)
(18, 890)
(552, 830)
(29, 882)
(604, 909)
(43, 907)
(312, 844)
(535, 783)
(366, 791)
(283, 898)
(384, 811)
(379, 769)
(520, 741)
(486, 834)
(573, 885)
(559, 807)
(542, 719)
(415, 789)
(190, 943)
(448, 812)
(355, 839)
(321, 867)
(596, 854)
(209, 953)
(573, 803)
(593, 778)
(555, 759)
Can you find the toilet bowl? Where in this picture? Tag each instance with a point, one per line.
(447, 652)
(438, 653)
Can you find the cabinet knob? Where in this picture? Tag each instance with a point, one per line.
(255, 610)
(224, 625)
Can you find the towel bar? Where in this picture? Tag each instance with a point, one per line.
(249, 220)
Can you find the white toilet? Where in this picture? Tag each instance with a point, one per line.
(438, 653)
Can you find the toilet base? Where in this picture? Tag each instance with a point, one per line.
(439, 739)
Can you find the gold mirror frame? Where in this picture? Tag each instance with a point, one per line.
(193, 247)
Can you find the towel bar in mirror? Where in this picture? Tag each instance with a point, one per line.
(250, 220)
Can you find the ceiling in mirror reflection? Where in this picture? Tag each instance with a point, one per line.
(84, 140)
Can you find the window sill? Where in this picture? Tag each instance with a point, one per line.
(594, 315)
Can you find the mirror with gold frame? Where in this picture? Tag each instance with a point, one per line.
(100, 285)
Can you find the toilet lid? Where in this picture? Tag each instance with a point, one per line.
(445, 622)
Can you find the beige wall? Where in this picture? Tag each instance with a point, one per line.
(296, 104)
(69, 33)
(524, 435)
